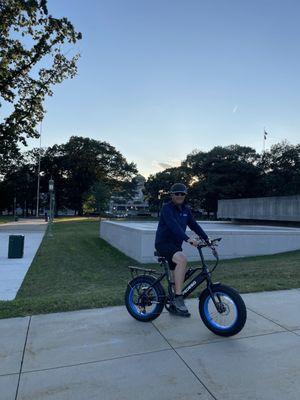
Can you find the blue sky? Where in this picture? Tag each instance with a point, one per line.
(160, 78)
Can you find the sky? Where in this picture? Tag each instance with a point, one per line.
(160, 78)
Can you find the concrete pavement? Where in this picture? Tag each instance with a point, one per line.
(13, 271)
(106, 354)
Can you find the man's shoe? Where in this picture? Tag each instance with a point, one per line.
(179, 307)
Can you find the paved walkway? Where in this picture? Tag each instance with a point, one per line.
(106, 354)
(13, 271)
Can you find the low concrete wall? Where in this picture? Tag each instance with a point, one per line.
(279, 208)
(137, 239)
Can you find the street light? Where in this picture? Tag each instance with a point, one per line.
(159, 196)
(51, 190)
(51, 185)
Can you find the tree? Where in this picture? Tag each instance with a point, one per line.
(162, 181)
(281, 170)
(223, 172)
(29, 40)
(97, 198)
(89, 161)
(19, 183)
(77, 167)
(81, 162)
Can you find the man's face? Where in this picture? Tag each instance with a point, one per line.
(178, 197)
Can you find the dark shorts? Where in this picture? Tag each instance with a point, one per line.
(167, 250)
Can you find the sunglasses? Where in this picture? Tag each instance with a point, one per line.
(179, 194)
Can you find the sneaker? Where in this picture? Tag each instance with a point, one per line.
(180, 305)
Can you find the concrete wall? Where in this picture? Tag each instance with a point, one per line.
(137, 239)
(279, 208)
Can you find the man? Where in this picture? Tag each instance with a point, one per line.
(175, 216)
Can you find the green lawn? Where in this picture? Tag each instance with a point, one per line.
(76, 270)
(6, 218)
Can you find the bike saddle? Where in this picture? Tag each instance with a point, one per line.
(160, 258)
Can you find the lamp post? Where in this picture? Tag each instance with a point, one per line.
(15, 205)
(38, 177)
(51, 190)
(160, 193)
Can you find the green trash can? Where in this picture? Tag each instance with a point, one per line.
(16, 246)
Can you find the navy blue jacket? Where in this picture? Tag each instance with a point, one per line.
(173, 222)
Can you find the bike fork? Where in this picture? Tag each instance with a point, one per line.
(219, 305)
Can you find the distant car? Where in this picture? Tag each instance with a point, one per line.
(144, 214)
(120, 215)
(108, 214)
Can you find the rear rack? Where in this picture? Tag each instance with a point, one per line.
(137, 271)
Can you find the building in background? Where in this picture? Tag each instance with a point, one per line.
(135, 206)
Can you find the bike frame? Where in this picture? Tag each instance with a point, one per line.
(204, 275)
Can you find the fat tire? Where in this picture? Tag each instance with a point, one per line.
(160, 294)
(239, 303)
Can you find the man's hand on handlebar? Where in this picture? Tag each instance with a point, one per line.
(198, 240)
(193, 242)
(208, 241)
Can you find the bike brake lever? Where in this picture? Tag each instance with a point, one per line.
(214, 251)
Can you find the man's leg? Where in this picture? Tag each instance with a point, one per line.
(180, 260)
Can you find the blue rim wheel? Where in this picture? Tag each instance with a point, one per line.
(230, 316)
(142, 304)
(221, 320)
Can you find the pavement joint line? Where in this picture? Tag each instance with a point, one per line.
(271, 320)
(298, 334)
(23, 353)
(186, 364)
(93, 362)
(11, 373)
(228, 340)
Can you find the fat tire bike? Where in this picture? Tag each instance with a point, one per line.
(220, 307)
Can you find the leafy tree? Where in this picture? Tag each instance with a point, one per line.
(32, 60)
(223, 172)
(19, 183)
(97, 198)
(281, 170)
(89, 161)
(81, 162)
(162, 181)
(76, 167)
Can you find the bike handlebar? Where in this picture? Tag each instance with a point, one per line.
(213, 242)
(211, 246)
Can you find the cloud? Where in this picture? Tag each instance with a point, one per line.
(165, 164)
(235, 109)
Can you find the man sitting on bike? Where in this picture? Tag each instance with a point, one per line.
(175, 216)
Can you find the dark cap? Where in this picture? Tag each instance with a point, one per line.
(178, 187)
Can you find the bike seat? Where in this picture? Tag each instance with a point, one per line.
(160, 258)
